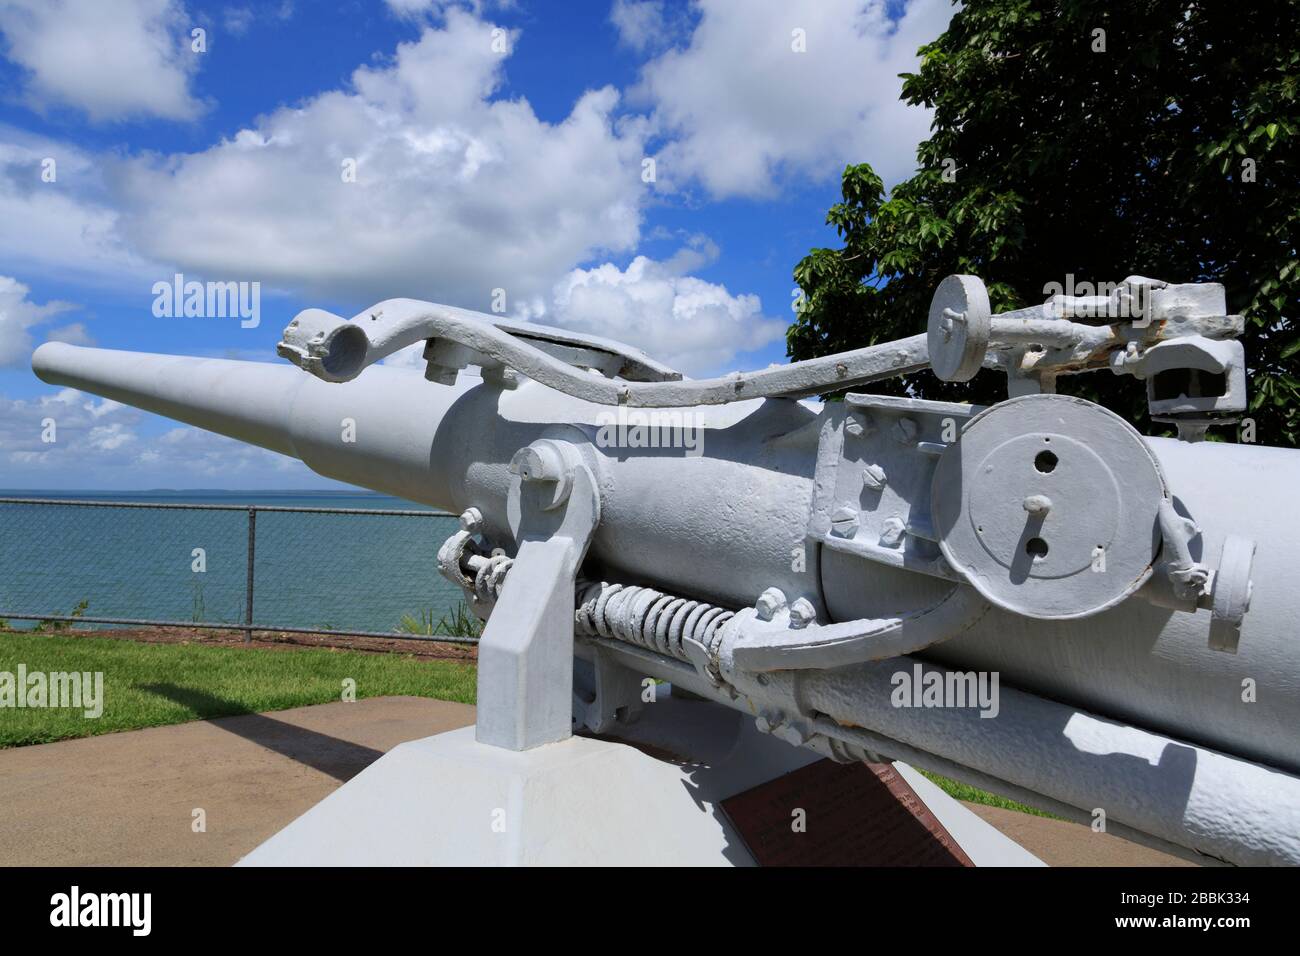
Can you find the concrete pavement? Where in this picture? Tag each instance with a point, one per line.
(130, 799)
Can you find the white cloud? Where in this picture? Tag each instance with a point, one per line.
(113, 60)
(745, 111)
(18, 316)
(417, 9)
(100, 444)
(109, 437)
(456, 193)
(646, 25)
(693, 325)
(410, 8)
(237, 20)
(57, 218)
(73, 334)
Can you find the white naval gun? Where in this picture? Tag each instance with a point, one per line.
(1135, 596)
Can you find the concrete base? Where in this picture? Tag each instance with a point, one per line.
(449, 800)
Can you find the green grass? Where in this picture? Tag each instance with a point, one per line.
(964, 791)
(149, 685)
(460, 622)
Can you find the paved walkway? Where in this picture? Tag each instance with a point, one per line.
(130, 798)
(1064, 843)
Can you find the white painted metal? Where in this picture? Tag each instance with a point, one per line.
(729, 525)
(450, 800)
(680, 522)
(1049, 506)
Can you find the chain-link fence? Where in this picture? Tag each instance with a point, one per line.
(347, 571)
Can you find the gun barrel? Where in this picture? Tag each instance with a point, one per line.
(342, 433)
(244, 400)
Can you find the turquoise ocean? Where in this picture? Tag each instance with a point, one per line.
(326, 571)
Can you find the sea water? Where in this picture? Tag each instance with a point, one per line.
(321, 571)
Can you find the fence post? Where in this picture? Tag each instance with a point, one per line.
(248, 580)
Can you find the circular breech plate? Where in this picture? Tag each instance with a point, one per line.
(1049, 506)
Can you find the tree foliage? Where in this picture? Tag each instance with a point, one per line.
(1170, 153)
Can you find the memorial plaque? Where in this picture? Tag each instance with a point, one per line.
(859, 814)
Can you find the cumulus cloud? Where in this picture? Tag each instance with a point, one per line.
(18, 316)
(113, 60)
(696, 326)
(646, 25)
(69, 225)
(412, 181)
(744, 109)
(74, 334)
(237, 20)
(687, 322)
(417, 9)
(415, 179)
(100, 443)
(410, 8)
(67, 416)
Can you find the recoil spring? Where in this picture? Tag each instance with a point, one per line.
(648, 618)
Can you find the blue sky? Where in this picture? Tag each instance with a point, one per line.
(495, 145)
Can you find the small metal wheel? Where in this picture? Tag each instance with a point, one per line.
(959, 327)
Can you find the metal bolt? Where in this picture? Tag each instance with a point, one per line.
(893, 532)
(873, 477)
(1038, 505)
(858, 422)
(802, 613)
(471, 520)
(766, 723)
(844, 522)
(768, 603)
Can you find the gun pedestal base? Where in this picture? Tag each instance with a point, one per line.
(642, 799)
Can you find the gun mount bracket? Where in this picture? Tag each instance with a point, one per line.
(525, 662)
(876, 457)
